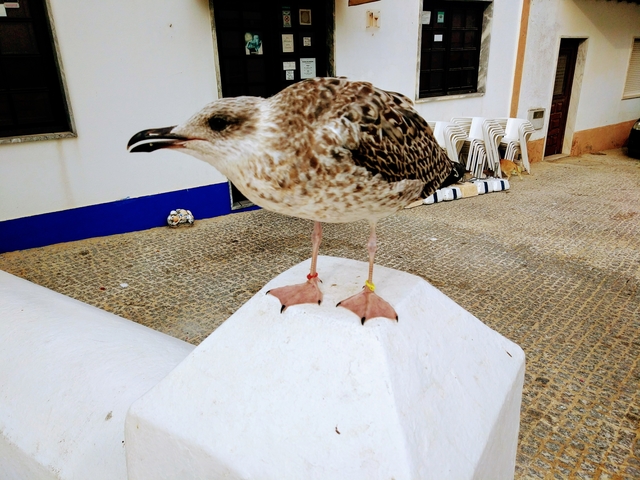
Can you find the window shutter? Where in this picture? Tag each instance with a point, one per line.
(632, 85)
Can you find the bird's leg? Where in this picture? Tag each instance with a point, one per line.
(366, 304)
(307, 292)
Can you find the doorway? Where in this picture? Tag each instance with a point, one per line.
(265, 46)
(560, 101)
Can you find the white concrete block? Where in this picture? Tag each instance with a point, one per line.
(68, 374)
(311, 393)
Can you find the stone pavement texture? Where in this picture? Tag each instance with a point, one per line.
(553, 264)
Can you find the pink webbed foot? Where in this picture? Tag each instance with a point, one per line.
(367, 305)
(308, 292)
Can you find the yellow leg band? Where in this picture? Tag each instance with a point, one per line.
(370, 285)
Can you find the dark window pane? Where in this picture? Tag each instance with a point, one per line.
(455, 60)
(24, 72)
(467, 59)
(33, 107)
(437, 60)
(436, 80)
(456, 39)
(256, 70)
(472, 19)
(231, 42)
(5, 110)
(234, 70)
(469, 39)
(17, 38)
(425, 61)
(453, 78)
(456, 19)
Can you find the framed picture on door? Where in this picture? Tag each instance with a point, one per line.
(305, 16)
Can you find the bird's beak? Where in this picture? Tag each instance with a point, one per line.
(154, 139)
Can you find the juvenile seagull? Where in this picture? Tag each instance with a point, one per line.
(324, 149)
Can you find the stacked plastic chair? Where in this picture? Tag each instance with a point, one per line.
(484, 137)
(517, 133)
(450, 137)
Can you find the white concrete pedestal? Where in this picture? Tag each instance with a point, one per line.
(311, 393)
(68, 374)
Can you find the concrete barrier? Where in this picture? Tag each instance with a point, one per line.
(313, 394)
(68, 374)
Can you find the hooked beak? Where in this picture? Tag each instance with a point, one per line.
(154, 139)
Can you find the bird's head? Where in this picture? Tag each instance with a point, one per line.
(213, 134)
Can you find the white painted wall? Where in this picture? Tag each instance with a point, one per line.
(128, 66)
(610, 28)
(388, 56)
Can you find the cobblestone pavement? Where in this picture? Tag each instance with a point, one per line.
(553, 264)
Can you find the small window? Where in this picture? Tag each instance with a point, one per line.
(31, 95)
(632, 85)
(450, 47)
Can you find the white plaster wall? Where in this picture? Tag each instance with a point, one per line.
(388, 56)
(610, 28)
(129, 65)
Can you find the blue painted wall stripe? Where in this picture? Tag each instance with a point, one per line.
(122, 216)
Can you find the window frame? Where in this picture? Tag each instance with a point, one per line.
(634, 61)
(482, 46)
(69, 132)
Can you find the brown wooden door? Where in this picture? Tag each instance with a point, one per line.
(561, 95)
(267, 45)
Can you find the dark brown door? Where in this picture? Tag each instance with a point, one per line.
(266, 45)
(561, 95)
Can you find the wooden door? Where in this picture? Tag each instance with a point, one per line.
(561, 95)
(265, 46)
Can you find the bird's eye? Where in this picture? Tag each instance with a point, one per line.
(218, 124)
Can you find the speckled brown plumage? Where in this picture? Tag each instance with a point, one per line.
(325, 149)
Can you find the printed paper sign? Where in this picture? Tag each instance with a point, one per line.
(288, 75)
(306, 41)
(286, 18)
(426, 18)
(288, 65)
(437, 38)
(307, 67)
(287, 43)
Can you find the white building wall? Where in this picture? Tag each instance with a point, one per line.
(388, 56)
(128, 66)
(609, 28)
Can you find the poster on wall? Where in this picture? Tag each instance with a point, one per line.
(287, 43)
(288, 75)
(307, 68)
(305, 16)
(286, 17)
(252, 43)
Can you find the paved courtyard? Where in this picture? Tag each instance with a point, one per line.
(553, 264)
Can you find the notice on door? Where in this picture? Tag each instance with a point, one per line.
(307, 67)
(287, 43)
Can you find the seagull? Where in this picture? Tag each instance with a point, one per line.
(323, 149)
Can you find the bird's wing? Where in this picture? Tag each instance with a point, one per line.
(383, 133)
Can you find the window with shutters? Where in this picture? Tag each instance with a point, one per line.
(632, 85)
(450, 47)
(32, 100)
